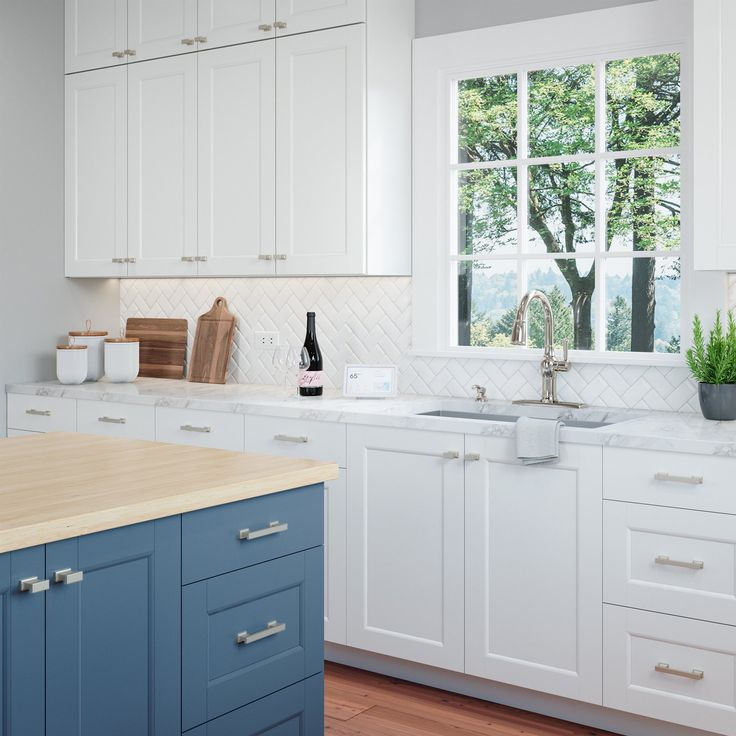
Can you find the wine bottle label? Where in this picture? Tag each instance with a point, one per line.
(310, 379)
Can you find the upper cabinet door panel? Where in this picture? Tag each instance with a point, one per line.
(95, 34)
(161, 27)
(320, 166)
(162, 167)
(237, 207)
(312, 15)
(225, 22)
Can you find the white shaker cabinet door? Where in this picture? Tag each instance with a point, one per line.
(533, 569)
(298, 16)
(161, 28)
(96, 34)
(226, 22)
(405, 535)
(335, 560)
(236, 171)
(95, 171)
(320, 166)
(162, 167)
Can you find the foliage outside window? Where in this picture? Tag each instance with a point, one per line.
(567, 180)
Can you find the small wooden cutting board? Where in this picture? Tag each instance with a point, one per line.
(163, 345)
(212, 343)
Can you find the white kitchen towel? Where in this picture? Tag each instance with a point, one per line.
(537, 440)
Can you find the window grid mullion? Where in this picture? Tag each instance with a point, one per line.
(601, 338)
(522, 193)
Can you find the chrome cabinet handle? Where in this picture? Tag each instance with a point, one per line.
(272, 628)
(200, 39)
(665, 669)
(130, 52)
(300, 439)
(119, 260)
(119, 54)
(265, 257)
(450, 455)
(281, 256)
(201, 259)
(472, 456)
(188, 259)
(130, 260)
(67, 576)
(665, 560)
(39, 412)
(33, 585)
(274, 527)
(280, 24)
(188, 41)
(265, 27)
(693, 480)
(112, 420)
(193, 428)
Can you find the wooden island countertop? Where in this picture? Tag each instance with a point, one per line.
(62, 485)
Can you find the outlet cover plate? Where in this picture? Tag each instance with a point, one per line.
(265, 340)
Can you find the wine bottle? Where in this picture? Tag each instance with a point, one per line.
(311, 377)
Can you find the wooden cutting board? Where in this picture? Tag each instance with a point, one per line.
(163, 345)
(212, 343)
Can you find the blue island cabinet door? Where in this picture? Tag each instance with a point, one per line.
(22, 644)
(113, 636)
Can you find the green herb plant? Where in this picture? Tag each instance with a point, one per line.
(713, 361)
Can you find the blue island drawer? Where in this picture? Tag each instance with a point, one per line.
(250, 633)
(295, 711)
(224, 538)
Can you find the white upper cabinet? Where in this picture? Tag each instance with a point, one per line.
(320, 170)
(162, 167)
(96, 160)
(298, 16)
(714, 187)
(237, 206)
(161, 28)
(224, 22)
(96, 33)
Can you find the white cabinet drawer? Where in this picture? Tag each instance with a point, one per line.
(697, 687)
(670, 560)
(221, 430)
(41, 413)
(296, 438)
(700, 482)
(116, 420)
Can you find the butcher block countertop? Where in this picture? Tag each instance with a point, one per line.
(62, 485)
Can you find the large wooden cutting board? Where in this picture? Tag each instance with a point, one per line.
(212, 343)
(163, 345)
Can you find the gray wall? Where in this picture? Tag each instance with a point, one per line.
(37, 304)
(434, 17)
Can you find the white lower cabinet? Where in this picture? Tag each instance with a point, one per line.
(41, 413)
(405, 522)
(217, 429)
(113, 419)
(533, 569)
(335, 560)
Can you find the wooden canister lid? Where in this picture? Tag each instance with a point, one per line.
(87, 333)
(122, 339)
(71, 347)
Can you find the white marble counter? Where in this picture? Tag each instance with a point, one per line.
(676, 432)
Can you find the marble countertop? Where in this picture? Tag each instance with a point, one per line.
(670, 431)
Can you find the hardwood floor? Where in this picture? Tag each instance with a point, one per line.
(359, 703)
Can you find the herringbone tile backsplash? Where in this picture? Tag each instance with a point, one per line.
(368, 320)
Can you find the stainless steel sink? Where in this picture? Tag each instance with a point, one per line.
(488, 417)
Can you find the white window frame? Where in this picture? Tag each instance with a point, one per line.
(634, 30)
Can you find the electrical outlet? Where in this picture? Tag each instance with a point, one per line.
(266, 340)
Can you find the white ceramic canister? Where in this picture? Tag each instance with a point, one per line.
(71, 363)
(95, 342)
(122, 359)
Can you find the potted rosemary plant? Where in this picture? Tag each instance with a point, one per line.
(713, 365)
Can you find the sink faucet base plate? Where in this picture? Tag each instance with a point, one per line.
(539, 402)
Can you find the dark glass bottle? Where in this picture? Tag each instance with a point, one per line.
(311, 377)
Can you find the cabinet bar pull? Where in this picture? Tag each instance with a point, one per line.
(665, 669)
(188, 259)
(200, 39)
(193, 428)
(119, 260)
(265, 257)
(39, 412)
(67, 576)
(265, 27)
(119, 54)
(472, 456)
(280, 24)
(112, 420)
(130, 52)
(450, 455)
(693, 480)
(281, 256)
(300, 439)
(33, 585)
(188, 41)
(130, 260)
(274, 527)
(665, 560)
(201, 259)
(272, 628)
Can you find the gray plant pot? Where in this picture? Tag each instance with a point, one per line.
(718, 401)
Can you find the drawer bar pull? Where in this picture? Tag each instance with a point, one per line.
(665, 560)
(472, 456)
(274, 527)
(68, 576)
(193, 428)
(665, 669)
(112, 420)
(299, 439)
(272, 628)
(693, 480)
(33, 585)
(39, 412)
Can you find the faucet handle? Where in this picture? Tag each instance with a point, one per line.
(564, 364)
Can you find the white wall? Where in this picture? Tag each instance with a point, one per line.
(37, 304)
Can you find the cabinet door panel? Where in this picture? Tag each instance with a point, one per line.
(237, 207)
(311, 15)
(533, 569)
(96, 176)
(159, 27)
(162, 167)
(405, 526)
(320, 167)
(225, 22)
(113, 639)
(335, 560)
(21, 645)
(95, 30)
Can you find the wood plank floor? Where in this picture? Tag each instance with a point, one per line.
(359, 703)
